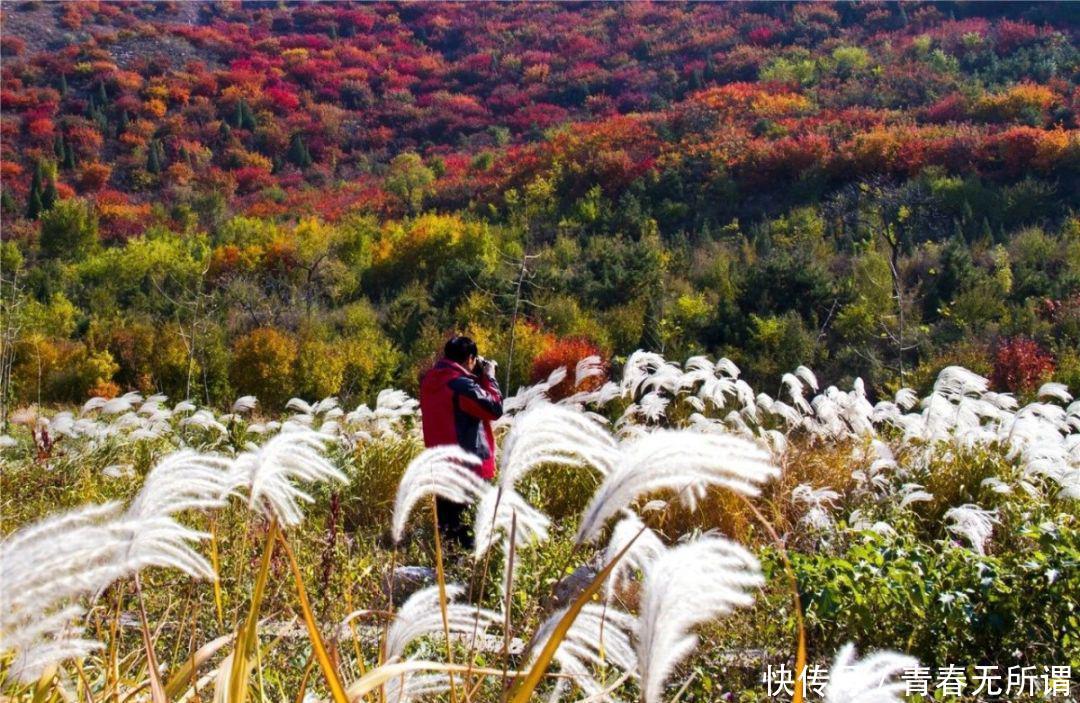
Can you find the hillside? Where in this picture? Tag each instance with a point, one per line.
(218, 198)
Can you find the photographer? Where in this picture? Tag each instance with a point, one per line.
(458, 400)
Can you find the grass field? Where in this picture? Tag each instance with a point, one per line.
(777, 530)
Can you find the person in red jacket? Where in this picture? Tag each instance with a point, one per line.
(459, 398)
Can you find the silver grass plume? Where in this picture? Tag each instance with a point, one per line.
(244, 404)
(1055, 391)
(204, 420)
(973, 523)
(528, 396)
(914, 493)
(269, 472)
(51, 564)
(645, 549)
(681, 460)
(599, 637)
(402, 689)
(421, 616)
(45, 567)
(391, 408)
(554, 434)
(869, 680)
(446, 471)
(819, 501)
(687, 586)
(498, 509)
(184, 480)
(587, 368)
(807, 376)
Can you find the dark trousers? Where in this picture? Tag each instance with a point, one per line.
(453, 523)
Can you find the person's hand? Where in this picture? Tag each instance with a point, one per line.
(484, 367)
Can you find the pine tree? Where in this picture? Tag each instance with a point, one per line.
(298, 153)
(69, 156)
(247, 120)
(33, 205)
(696, 81)
(49, 196)
(63, 85)
(153, 159)
(122, 123)
(33, 200)
(101, 120)
(102, 97)
(244, 119)
(58, 147)
(7, 201)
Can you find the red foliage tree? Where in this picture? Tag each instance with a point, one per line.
(566, 352)
(1020, 365)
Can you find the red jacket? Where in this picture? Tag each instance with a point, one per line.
(457, 407)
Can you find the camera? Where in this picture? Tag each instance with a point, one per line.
(484, 366)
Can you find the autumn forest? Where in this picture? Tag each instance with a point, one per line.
(211, 199)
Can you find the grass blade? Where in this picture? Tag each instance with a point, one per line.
(157, 691)
(327, 666)
(304, 681)
(441, 576)
(183, 677)
(215, 561)
(380, 675)
(247, 635)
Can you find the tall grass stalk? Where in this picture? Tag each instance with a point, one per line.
(247, 636)
(793, 586)
(327, 666)
(215, 561)
(508, 591)
(441, 576)
(157, 691)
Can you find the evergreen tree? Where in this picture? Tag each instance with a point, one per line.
(33, 205)
(58, 147)
(122, 124)
(248, 118)
(49, 194)
(33, 200)
(69, 156)
(63, 85)
(245, 119)
(7, 201)
(100, 119)
(153, 159)
(101, 96)
(69, 230)
(298, 153)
